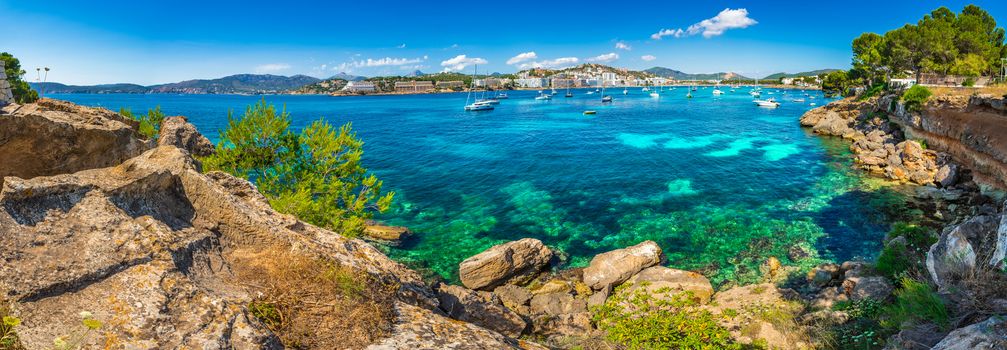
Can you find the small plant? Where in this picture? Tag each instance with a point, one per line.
(916, 301)
(76, 340)
(894, 261)
(150, 123)
(8, 336)
(862, 308)
(915, 97)
(918, 237)
(641, 320)
(874, 90)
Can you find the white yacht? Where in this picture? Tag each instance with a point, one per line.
(481, 105)
(767, 103)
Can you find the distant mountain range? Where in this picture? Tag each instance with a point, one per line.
(801, 74)
(351, 77)
(679, 75)
(233, 84)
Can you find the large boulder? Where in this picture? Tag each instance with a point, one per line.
(513, 262)
(988, 334)
(419, 328)
(868, 287)
(52, 137)
(178, 132)
(557, 304)
(671, 281)
(956, 250)
(391, 235)
(614, 267)
(480, 308)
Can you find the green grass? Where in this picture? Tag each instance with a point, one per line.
(640, 320)
(916, 302)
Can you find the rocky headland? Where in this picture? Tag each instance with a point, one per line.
(96, 218)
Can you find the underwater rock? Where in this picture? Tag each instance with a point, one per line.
(614, 267)
(513, 262)
(385, 233)
(657, 278)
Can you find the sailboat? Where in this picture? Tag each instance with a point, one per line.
(656, 94)
(568, 93)
(478, 105)
(604, 97)
(625, 91)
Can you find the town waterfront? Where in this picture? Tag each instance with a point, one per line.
(720, 183)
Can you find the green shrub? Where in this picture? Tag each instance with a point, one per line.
(23, 92)
(640, 320)
(150, 123)
(915, 97)
(8, 334)
(316, 175)
(861, 308)
(969, 82)
(915, 302)
(918, 237)
(894, 261)
(873, 91)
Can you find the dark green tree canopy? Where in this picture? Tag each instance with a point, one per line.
(23, 93)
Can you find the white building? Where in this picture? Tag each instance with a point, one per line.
(907, 82)
(532, 82)
(359, 86)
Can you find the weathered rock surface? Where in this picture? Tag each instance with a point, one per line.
(657, 278)
(512, 262)
(956, 250)
(149, 246)
(614, 267)
(178, 132)
(748, 326)
(6, 97)
(53, 137)
(480, 308)
(988, 334)
(869, 287)
(386, 234)
(557, 304)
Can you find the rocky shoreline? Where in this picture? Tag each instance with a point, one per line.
(97, 218)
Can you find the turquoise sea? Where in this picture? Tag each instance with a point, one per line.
(718, 182)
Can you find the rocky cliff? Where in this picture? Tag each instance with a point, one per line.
(96, 219)
(6, 96)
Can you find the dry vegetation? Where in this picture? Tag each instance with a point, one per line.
(314, 303)
(996, 90)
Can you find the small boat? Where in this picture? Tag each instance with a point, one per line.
(767, 103)
(543, 97)
(645, 89)
(569, 94)
(590, 112)
(655, 94)
(502, 96)
(812, 104)
(590, 92)
(799, 100)
(755, 93)
(688, 95)
(479, 106)
(717, 92)
(606, 98)
(625, 91)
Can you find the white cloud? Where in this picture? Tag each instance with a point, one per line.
(460, 62)
(561, 62)
(401, 46)
(623, 46)
(521, 57)
(380, 62)
(711, 27)
(272, 68)
(608, 57)
(648, 58)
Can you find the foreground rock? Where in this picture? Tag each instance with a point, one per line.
(614, 267)
(386, 234)
(419, 328)
(178, 132)
(989, 334)
(55, 137)
(512, 262)
(672, 281)
(481, 308)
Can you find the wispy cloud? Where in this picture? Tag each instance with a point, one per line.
(460, 62)
(648, 58)
(380, 62)
(623, 46)
(561, 62)
(608, 57)
(522, 57)
(711, 27)
(272, 68)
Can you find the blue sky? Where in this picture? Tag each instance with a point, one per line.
(149, 42)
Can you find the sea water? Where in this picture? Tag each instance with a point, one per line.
(719, 183)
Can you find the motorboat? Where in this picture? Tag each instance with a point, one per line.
(479, 106)
(655, 94)
(717, 92)
(543, 97)
(590, 112)
(502, 96)
(767, 103)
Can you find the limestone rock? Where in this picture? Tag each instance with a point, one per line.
(385, 233)
(655, 278)
(514, 298)
(480, 308)
(947, 175)
(824, 274)
(52, 137)
(870, 287)
(512, 262)
(570, 325)
(745, 301)
(557, 304)
(176, 131)
(614, 267)
(419, 328)
(954, 251)
(988, 334)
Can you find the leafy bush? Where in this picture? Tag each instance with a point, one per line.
(918, 237)
(915, 97)
(150, 123)
(875, 90)
(894, 261)
(23, 92)
(640, 320)
(316, 175)
(916, 301)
